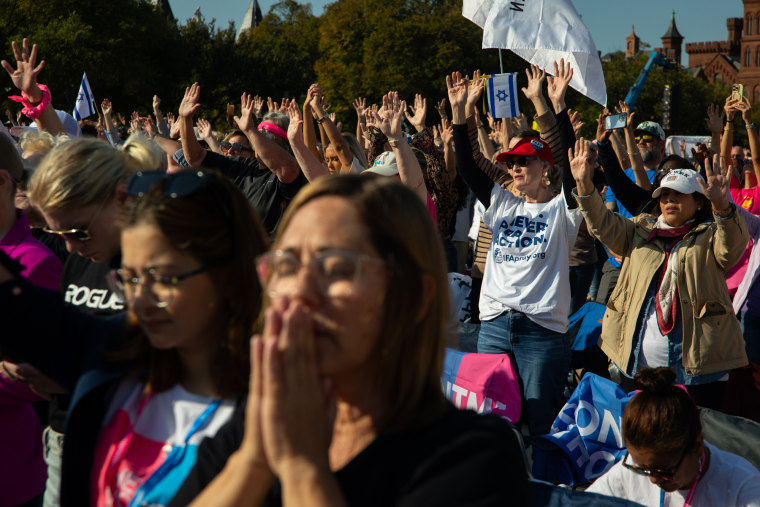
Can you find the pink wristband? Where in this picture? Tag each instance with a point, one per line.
(30, 110)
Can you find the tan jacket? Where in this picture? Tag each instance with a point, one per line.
(712, 339)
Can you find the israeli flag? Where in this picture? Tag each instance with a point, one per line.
(85, 105)
(502, 95)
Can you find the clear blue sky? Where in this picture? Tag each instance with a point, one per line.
(609, 21)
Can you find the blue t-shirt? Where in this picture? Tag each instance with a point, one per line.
(620, 209)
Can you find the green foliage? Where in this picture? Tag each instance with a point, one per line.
(620, 74)
(358, 48)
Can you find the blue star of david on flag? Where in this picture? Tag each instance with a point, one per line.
(501, 90)
(85, 104)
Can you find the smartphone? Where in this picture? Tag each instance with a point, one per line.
(615, 121)
(737, 91)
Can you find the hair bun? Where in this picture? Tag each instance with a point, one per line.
(655, 380)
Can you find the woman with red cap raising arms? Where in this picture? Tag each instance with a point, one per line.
(525, 297)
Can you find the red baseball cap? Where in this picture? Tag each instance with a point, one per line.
(528, 147)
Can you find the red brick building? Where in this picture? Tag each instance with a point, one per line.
(735, 60)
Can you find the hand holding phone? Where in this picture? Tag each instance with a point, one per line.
(615, 121)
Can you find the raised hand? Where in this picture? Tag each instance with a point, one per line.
(204, 128)
(156, 105)
(270, 105)
(715, 118)
(447, 132)
(629, 116)
(602, 134)
(682, 147)
(258, 105)
(149, 126)
(24, 76)
(716, 186)
(295, 127)
(475, 90)
(745, 106)
(536, 78)
(441, 108)
(557, 85)
(315, 96)
(389, 121)
(730, 107)
(575, 121)
(419, 113)
(521, 122)
(189, 104)
(106, 107)
(457, 91)
(580, 166)
(360, 104)
(246, 121)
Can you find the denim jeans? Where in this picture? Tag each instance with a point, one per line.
(53, 449)
(541, 358)
(580, 283)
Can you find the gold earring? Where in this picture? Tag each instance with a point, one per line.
(545, 179)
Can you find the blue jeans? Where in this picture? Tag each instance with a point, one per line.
(53, 448)
(541, 358)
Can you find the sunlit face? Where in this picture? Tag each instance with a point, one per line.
(651, 150)
(684, 466)
(332, 160)
(102, 222)
(346, 328)
(677, 208)
(245, 151)
(190, 320)
(528, 178)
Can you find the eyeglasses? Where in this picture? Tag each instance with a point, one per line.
(234, 147)
(77, 234)
(178, 184)
(657, 473)
(158, 289)
(645, 138)
(336, 271)
(521, 161)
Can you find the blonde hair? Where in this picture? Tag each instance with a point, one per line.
(83, 171)
(34, 141)
(141, 153)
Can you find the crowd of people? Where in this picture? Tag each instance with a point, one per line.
(260, 316)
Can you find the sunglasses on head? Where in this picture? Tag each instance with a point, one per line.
(521, 161)
(226, 145)
(646, 138)
(177, 184)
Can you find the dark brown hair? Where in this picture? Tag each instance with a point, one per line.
(662, 416)
(409, 356)
(217, 226)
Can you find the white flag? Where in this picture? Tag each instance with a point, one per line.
(85, 105)
(501, 90)
(542, 32)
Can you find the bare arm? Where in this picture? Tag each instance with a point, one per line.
(275, 158)
(311, 167)
(390, 123)
(637, 163)
(24, 77)
(450, 159)
(486, 146)
(194, 152)
(727, 140)
(204, 129)
(339, 144)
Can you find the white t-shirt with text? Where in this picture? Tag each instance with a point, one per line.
(528, 261)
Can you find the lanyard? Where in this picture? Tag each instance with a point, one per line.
(692, 490)
(174, 457)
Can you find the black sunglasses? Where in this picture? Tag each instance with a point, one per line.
(234, 146)
(521, 161)
(178, 184)
(657, 473)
